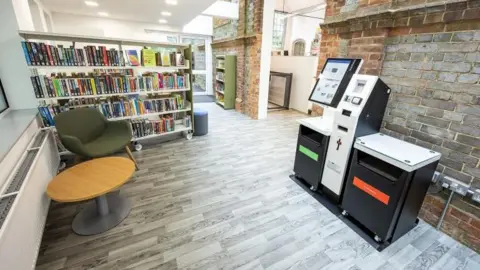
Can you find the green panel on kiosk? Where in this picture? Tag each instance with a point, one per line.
(308, 152)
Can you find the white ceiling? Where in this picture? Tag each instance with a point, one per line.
(134, 10)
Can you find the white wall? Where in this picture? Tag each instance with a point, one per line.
(41, 16)
(202, 25)
(303, 69)
(300, 28)
(265, 57)
(37, 20)
(22, 13)
(14, 73)
(222, 9)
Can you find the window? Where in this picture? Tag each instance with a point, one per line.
(199, 83)
(198, 50)
(3, 99)
(172, 39)
(279, 26)
(299, 47)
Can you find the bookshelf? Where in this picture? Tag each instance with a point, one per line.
(74, 69)
(88, 68)
(225, 80)
(141, 92)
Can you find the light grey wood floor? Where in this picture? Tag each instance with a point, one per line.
(225, 201)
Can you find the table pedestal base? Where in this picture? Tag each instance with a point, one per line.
(106, 212)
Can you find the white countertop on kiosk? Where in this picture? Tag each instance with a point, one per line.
(401, 154)
(320, 124)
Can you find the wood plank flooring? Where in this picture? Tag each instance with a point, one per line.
(225, 201)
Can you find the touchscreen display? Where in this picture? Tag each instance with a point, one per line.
(327, 86)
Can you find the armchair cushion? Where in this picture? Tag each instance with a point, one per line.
(114, 137)
(84, 123)
(86, 132)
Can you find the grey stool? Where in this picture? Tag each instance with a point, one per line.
(201, 122)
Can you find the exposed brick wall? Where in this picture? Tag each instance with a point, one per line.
(245, 43)
(460, 224)
(428, 52)
(435, 97)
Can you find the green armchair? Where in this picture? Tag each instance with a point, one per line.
(87, 133)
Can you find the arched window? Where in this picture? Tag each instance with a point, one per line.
(299, 47)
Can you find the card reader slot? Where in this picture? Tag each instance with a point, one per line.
(344, 129)
(347, 113)
(379, 167)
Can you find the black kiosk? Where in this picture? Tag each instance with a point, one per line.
(314, 133)
(379, 182)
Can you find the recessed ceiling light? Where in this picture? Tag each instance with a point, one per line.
(166, 13)
(162, 21)
(105, 14)
(171, 2)
(91, 3)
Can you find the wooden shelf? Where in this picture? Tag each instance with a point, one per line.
(33, 35)
(142, 92)
(220, 68)
(220, 103)
(221, 92)
(220, 80)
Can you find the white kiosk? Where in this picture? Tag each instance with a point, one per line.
(353, 106)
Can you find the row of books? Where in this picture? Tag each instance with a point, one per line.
(220, 76)
(41, 54)
(102, 57)
(220, 86)
(115, 108)
(151, 58)
(81, 84)
(157, 81)
(146, 127)
(138, 107)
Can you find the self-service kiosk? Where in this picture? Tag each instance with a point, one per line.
(375, 181)
(353, 106)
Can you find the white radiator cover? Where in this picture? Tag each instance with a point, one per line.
(22, 230)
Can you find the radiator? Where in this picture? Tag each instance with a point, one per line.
(24, 203)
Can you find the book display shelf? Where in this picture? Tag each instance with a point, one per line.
(225, 80)
(147, 83)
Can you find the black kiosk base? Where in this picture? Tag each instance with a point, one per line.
(310, 156)
(385, 188)
(386, 185)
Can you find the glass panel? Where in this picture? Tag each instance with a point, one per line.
(278, 30)
(198, 49)
(172, 39)
(199, 83)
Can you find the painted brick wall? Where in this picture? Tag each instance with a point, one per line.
(430, 56)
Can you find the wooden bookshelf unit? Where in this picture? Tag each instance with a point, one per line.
(71, 71)
(225, 80)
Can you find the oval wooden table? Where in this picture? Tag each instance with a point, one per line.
(93, 179)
